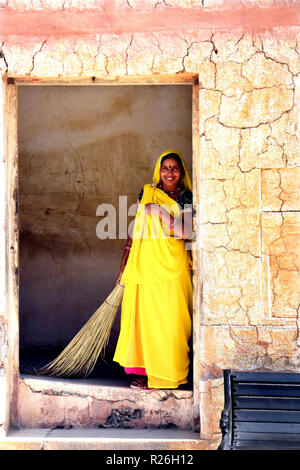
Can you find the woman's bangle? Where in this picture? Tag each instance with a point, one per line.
(172, 224)
(127, 247)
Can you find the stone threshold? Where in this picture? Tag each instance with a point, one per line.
(102, 439)
(103, 388)
(51, 403)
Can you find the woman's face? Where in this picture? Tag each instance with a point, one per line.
(170, 173)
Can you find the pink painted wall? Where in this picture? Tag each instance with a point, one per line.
(118, 17)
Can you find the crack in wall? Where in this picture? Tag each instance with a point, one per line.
(2, 56)
(99, 51)
(188, 48)
(51, 392)
(126, 54)
(34, 55)
(163, 2)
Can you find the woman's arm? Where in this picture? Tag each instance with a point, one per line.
(181, 230)
(124, 258)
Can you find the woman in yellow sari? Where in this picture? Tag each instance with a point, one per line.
(155, 268)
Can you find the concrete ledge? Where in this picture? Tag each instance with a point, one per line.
(102, 439)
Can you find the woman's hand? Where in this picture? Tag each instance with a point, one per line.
(153, 209)
(119, 277)
(124, 258)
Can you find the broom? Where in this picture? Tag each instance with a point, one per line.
(80, 355)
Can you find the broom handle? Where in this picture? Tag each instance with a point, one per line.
(126, 252)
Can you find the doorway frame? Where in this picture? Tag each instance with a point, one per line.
(12, 225)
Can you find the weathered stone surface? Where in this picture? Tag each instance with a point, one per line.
(286, 132)
(282, 50)
(3, 341)
(172, 51)
(280, 189)
(218, 403)
(126, 444)
(115, 47)
(214, 211)
(209, 104)
(230, 81)
(261, 72)
(102, 439)
(281, 248)
(282, 348)
(40, 409)
(257, 107)
(225, 45)
(14, 49)
(212, 164)
(249, 348)
(259, 149)
(49, 403)
(198, 61)
(141, 54)
(2, 221)
(230, 287)
(238, 50)
(12, 444)
(2, 399)
(225, 141)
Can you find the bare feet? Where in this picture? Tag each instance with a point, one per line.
(139, 382)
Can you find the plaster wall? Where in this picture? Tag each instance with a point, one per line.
(80, 147)
(246, 172)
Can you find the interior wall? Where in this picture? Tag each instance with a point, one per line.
(79, 147)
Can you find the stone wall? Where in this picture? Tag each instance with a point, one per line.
(246, 160)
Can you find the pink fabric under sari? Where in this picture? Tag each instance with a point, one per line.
(135, 370)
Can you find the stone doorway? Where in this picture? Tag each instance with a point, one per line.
(33, 335)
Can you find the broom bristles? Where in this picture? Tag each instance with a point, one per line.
(80, 355)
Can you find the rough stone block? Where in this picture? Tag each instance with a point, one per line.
(40, 410)
(247, 348)
(281, 263)
(16, 49)
(257, 107)
(173, 49)
(211, 165)
(209, 104)
(198, 61)
(261, 72)
(212, 199)
(49, 403)
(231, 281)
(236, 46)
(282, 50)
(280, 189)
(142, 53)
(115, 49)
(230, 81)
(259, 149)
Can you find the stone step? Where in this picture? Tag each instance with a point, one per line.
(46, 402)
(102, 439)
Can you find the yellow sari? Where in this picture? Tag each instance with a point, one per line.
(157, 301)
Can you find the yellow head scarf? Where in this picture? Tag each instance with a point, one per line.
(167, 257)
(186, 179)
